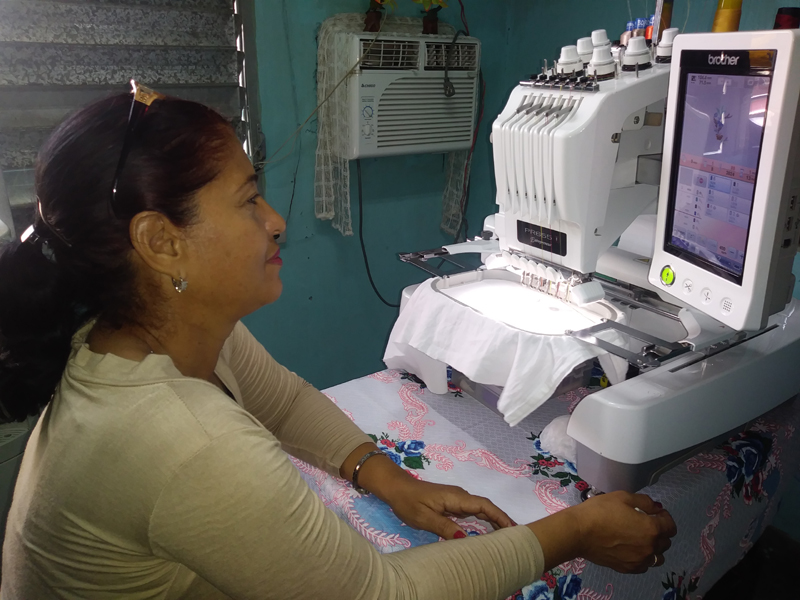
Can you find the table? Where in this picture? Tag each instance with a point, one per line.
(721, 500)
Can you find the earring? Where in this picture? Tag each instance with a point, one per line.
(180, 284)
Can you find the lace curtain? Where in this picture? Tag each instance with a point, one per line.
(332, 174)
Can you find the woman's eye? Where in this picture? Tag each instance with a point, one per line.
(253, 200)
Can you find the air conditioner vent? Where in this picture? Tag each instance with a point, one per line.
(415, 112)
(389, 54)
(462, 57)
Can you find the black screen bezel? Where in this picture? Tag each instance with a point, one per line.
(757, 63)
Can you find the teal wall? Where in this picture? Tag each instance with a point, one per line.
(328, 325)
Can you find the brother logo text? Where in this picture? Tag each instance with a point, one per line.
(723, 60)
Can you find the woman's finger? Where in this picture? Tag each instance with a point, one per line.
(444, 527)
(481, 507)
(495, 524)
(666, 523)
(662, 545)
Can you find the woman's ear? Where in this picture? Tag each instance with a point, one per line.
(157, 241)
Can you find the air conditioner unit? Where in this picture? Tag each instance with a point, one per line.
(396, 96)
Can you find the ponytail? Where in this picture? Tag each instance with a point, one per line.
(38, 317)
(76, 266)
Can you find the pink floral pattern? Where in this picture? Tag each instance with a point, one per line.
(738, 482)
(482, 458)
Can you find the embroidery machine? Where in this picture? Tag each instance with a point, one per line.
(686, 154)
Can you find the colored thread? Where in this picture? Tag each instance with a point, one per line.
(788, 17)
(729, 12)
(666, 17)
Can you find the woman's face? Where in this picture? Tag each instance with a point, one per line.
(233, 263)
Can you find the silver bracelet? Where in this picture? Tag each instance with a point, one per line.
(361, 462)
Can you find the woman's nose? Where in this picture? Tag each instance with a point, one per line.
(274, 222)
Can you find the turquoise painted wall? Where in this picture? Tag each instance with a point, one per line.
(328, 325)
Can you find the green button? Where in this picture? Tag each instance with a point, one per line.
(667, 276)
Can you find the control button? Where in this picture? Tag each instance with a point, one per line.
(367, 112)
(706, 295)
(667, 276)
(688, 286)
(726, 306)
(366, 129)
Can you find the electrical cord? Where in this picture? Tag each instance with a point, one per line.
(449, 88)
(294, 180)
(465, 190)
(295, 104)
(361, 237)
(464, 17)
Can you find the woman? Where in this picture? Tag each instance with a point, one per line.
(157, 469)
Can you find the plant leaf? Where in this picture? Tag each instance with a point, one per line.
(413, 462)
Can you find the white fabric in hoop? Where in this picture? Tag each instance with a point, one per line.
(332, 173)
(528, 359)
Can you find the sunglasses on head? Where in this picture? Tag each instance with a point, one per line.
(143, 97)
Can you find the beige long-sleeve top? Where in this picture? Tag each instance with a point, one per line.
(138, 482)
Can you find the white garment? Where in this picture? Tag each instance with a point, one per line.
(528, 365)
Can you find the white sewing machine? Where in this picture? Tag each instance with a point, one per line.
(698, 334)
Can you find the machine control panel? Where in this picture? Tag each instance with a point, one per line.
(722, 129)
(726, 222)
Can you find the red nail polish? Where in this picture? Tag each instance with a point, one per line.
(659, 505)
(513, 523)
(459, 534)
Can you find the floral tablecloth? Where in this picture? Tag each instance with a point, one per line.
(721, 500)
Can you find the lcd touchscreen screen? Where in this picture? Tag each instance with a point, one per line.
(720, 144)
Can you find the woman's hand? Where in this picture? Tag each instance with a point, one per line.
(420, 504)
(428, 506)
(626, 532)
(615, 534)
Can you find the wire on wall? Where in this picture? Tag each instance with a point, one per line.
(295, 105)
(361, 237)
(465, 191)
(464, 17)
(294, 181)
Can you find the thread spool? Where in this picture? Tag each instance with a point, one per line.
(640, 27)
(666, 18)
(648, 32)
(626, 35)
(727, 17)
(787, 17)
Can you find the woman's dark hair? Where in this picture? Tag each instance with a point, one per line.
(80, 267)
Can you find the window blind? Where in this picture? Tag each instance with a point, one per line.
(59, 55)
